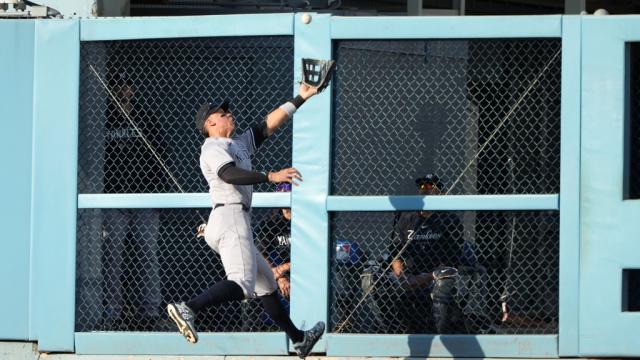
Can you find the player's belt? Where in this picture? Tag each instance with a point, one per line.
(244, 207)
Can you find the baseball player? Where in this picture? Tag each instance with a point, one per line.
(225, 162)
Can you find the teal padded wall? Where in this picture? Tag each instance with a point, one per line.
(16, 94)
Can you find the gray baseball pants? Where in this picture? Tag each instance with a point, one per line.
(229, 233)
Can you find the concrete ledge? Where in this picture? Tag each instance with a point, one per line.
(18, 350)
(28, 351)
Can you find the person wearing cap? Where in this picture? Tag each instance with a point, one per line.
(428, 237)
(131, 167)
(225, 161)
(426, 245)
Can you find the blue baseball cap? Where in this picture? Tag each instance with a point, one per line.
(207, 109)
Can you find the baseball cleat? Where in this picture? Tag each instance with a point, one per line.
(184, 318)
(445, 272)
(311, 337)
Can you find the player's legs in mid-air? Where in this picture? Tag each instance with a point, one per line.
(248, 275)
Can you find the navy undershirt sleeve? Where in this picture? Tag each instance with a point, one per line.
(231, 174)
(259, 133)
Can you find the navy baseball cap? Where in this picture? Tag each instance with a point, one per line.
(429, 179)
(207, 109)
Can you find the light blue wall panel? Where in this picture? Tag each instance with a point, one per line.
(570, 186)
(445, 27)
(16, 92)
(185, 26)
(191, 200)
(610, 230)
(457, 346)
(132, 343)
(55, 121)
(311, 149)
(449, 202)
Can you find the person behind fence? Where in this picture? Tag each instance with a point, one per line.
(275, 244)
(427, 248)
(225, 162)
(130, 167)
(273, 240)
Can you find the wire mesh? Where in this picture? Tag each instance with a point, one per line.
(132, 262)
(159, 84)
(634, 119)
(405, 107)
(501, 256)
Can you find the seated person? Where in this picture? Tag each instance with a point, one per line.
(274, 242)
(426, 247)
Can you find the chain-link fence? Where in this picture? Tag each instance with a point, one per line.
(381, 261)
(132, 262)
(484, 114)
(138, 100)
(634, 119)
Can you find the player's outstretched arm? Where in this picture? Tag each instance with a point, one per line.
(231, 174)
(277, 117)
(290, 175)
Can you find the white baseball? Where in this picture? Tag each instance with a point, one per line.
(306, 18)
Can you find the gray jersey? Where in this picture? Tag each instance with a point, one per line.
(217, 152)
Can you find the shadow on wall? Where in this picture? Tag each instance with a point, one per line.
(458, 346)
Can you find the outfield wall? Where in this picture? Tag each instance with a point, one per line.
(554, 194)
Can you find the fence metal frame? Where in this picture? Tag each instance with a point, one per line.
(55, 156)
(353, 28)
(166, 343)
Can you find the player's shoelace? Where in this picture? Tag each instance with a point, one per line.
(184, 312)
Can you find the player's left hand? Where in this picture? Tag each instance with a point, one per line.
(284, 286)
(290, 175)
(307, 91)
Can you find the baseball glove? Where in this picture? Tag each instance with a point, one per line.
(317, 73)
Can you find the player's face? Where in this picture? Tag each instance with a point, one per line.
(286, 212)
(428, 189)
(224, 121)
